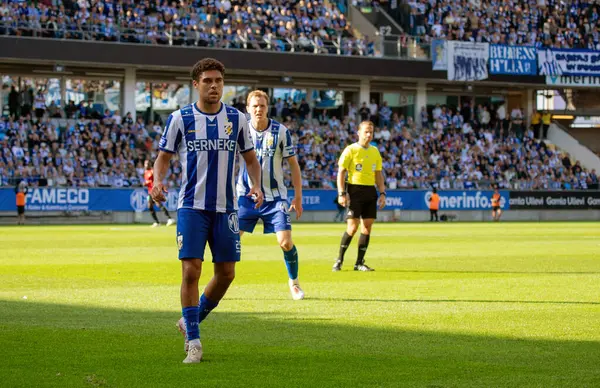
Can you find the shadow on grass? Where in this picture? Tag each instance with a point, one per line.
(494, 272)
(434, 301)
(61, 346)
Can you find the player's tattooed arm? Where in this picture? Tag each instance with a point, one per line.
(161, 166)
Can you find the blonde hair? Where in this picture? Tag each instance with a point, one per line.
(257, 93)
(366, 123)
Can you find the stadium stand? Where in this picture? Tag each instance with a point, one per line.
(544, 23)
(305, 26)
(278, 25)
(457, 149)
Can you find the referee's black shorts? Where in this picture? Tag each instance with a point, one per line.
(20, 210)
(363, 201)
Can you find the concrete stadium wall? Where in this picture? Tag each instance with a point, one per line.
(361, 23)
(589, 137)
(570, 144)
(58, 218)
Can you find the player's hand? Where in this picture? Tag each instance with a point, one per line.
(297, 207)
(257, 195)
(381, 201)
(158, 193)
(343, 200)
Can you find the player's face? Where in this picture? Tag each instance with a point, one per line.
(146, 165)
(210, 86)
(257, 108)
(365, 134)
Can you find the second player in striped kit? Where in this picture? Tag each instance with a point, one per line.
(273, 144)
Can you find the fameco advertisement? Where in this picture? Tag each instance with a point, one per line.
(60, 199)
(93, 199)
(136, 199)
(554, 200)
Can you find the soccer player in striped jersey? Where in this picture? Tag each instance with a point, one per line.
(273, 145)
(207, 135)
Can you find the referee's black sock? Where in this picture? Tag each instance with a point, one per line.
(344, 244)
(363, 244)
(153, 212)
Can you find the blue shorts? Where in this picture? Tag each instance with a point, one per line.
(197, 227)
(274, 215)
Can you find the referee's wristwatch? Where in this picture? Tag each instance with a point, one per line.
(341, 194)
(383, 193)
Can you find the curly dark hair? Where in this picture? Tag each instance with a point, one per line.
(206, 64)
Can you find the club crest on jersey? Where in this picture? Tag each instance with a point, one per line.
(283, 207)
(269, 138)
(358, 167)
(233, 223)
(228, 126)
(180, 241)
(267, 150)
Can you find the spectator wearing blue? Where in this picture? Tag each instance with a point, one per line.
(108, 151)
(385, 114)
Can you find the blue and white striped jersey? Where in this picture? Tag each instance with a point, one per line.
(272, 146)
(207, 145)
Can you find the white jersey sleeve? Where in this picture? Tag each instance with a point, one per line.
(173, 133)
(287, 147)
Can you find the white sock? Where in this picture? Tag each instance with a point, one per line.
(195, 342)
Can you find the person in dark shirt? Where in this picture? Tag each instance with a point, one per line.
(304, 111)
(364, 112)
(294, 111)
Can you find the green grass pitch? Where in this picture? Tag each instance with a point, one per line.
(449, 305)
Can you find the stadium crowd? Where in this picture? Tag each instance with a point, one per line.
(541, 23)
(471, 148)
(303, 25)
(280, 25)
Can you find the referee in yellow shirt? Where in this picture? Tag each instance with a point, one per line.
(362, 162)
